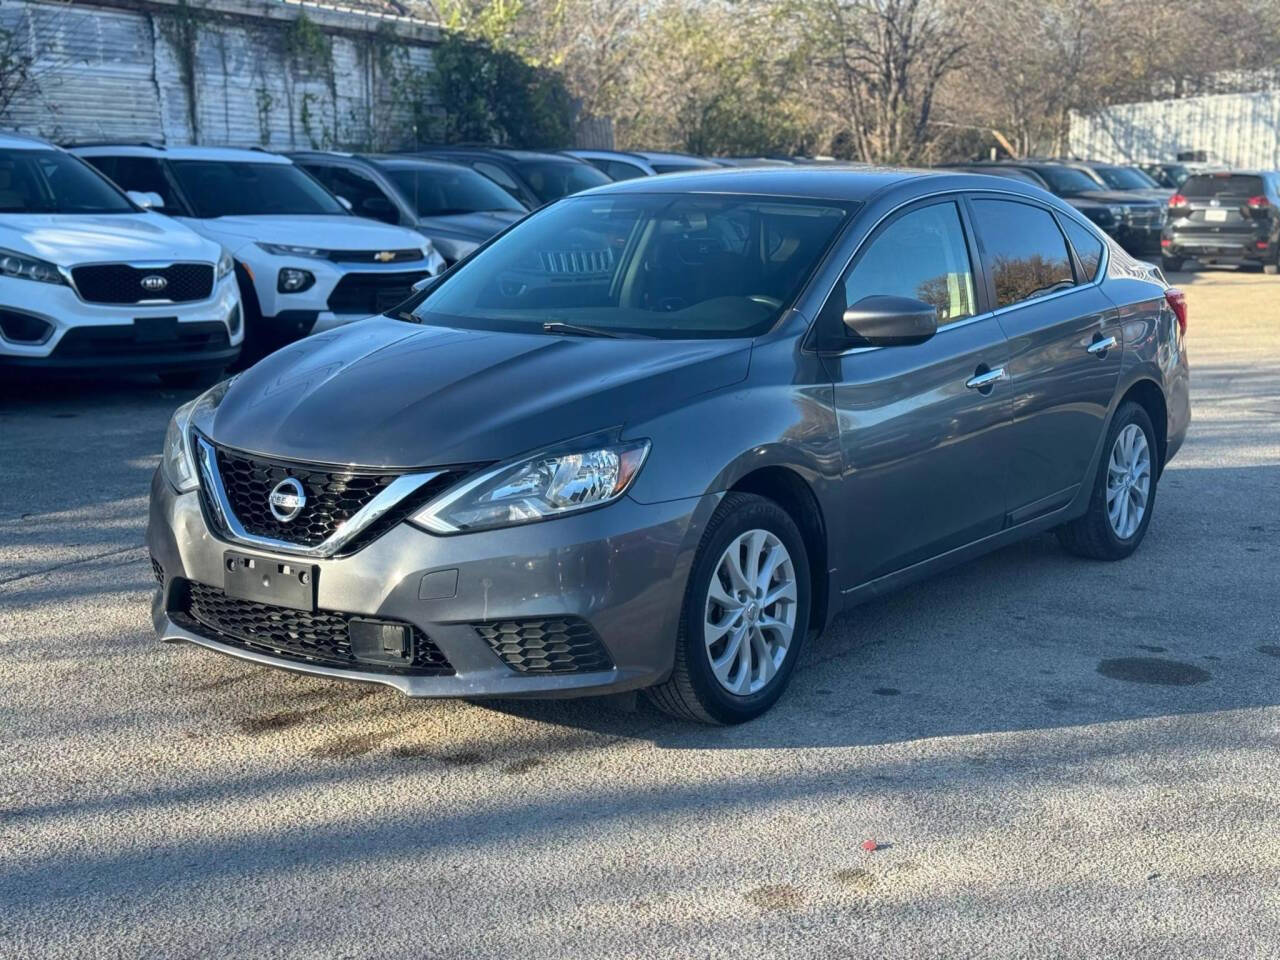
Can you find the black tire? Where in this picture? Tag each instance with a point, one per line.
(692, 692)
(1091, 535)
(199, 377)
(1171, 264)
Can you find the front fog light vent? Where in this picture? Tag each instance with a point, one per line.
(294, 280)
(551, 645)
(24, 328)
(234, 320)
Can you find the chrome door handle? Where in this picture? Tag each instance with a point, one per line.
(1101, 346)
(980, 380)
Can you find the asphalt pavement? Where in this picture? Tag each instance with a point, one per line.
(1052, 757)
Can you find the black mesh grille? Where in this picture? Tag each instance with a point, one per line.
(309, 637)
(408, 255)
(372, 292)
(553, 645)
(332, 498)
(158, 571)
(121, 283)
(119, 340)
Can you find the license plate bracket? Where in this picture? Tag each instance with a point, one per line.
(155, 329)
(280, 583)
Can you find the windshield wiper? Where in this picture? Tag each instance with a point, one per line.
(556, 326)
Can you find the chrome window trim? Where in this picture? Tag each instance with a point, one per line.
(959, 193)
(389, 497)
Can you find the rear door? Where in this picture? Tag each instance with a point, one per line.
(1216, 215)
(924, 429)
(1064, 341)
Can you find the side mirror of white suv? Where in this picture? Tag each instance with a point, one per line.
(147, 201)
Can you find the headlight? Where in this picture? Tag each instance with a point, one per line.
(22, 267)
(176, 461)
(288, 250)
(225, 264)
(538, 488)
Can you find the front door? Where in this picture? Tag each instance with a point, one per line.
(1065, 349)
(924, 429)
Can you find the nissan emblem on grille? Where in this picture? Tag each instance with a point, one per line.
(153, 283)
(287, 499)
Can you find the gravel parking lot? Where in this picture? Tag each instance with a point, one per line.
(1054, 757)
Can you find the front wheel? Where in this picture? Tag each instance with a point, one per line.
(745, 615)
(1124, 491)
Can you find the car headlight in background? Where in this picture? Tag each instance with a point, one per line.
(176, 461)
(225, 264)
(294, 280)
(435, 259)
(540, 487)
(1116, 212)
(22, 267)
(289, 250)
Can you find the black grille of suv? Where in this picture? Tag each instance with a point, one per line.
(319, 637)
(372, 292)
(332, 498)
(408, 255)
(121, 283)
(551, 645)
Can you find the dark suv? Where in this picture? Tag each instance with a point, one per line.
(1226, 217)
(532, 178)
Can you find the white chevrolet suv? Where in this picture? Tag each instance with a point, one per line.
(91, 281)
(304, 262)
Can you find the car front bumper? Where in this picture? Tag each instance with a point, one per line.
(92, 336)
(622, 569)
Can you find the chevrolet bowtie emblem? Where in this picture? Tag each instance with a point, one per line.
(384, 256)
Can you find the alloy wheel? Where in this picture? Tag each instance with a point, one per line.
(750, 612)
(1128, 481)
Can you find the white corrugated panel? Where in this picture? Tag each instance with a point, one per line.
(1242, 129)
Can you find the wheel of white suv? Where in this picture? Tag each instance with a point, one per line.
(1124, 491)
(745, 615)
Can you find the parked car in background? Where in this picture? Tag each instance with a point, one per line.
(532, 178)
(751, 162)
(658, 435)
(1123, 177)
(90, 281)
(452, 205)
(625, 165)
(304, 262)
(1227, 217)
(1172, 174)
(1134, 222)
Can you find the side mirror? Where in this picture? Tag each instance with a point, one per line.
(345, 202)
(891, 321)
(426, 283)
(146, 200)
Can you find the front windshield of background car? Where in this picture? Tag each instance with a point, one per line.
(235, 188)
(552, 179)
(657, 265)
(441, 191)
(1125, 178)
(50, 181)
(1066, 180)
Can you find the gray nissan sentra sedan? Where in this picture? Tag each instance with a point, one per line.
(657, 435)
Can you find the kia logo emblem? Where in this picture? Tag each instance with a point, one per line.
(287, 499)
(154, 283)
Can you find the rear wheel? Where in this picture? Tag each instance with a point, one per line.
(745, 615)
(1171, 264)
(1124, 491)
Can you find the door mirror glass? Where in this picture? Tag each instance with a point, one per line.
(344, 201)
(883, 321)
(146, 199)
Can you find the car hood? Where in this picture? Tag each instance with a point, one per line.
(330, 233)
(470, 226)
(70, 239)
(387, 393)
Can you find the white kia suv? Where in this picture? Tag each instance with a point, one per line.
(92, 282)
(304, 262)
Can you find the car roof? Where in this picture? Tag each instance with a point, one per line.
(384, 161)
(654, 156)
(225, 154)
(828, 182)
(20, 141)
(508, 153)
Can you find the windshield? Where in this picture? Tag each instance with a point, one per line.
(1125, 178)
(1065, 180)
(440, 191)
(552, 179)
(223, 188)
(50, 181)
(665, 266)
(1222, 185)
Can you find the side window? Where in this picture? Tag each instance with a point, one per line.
(622, 171)
(1023, 249)
(922, 255)
(498, 176)
(1087, 246)
(366, 199)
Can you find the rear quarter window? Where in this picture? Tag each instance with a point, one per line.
(1087, 246)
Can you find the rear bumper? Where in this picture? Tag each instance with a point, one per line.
(1219, 247)
(621, 569)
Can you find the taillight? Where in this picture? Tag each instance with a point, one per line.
(1178, 303)
(1257, 203)
(1177, 200)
